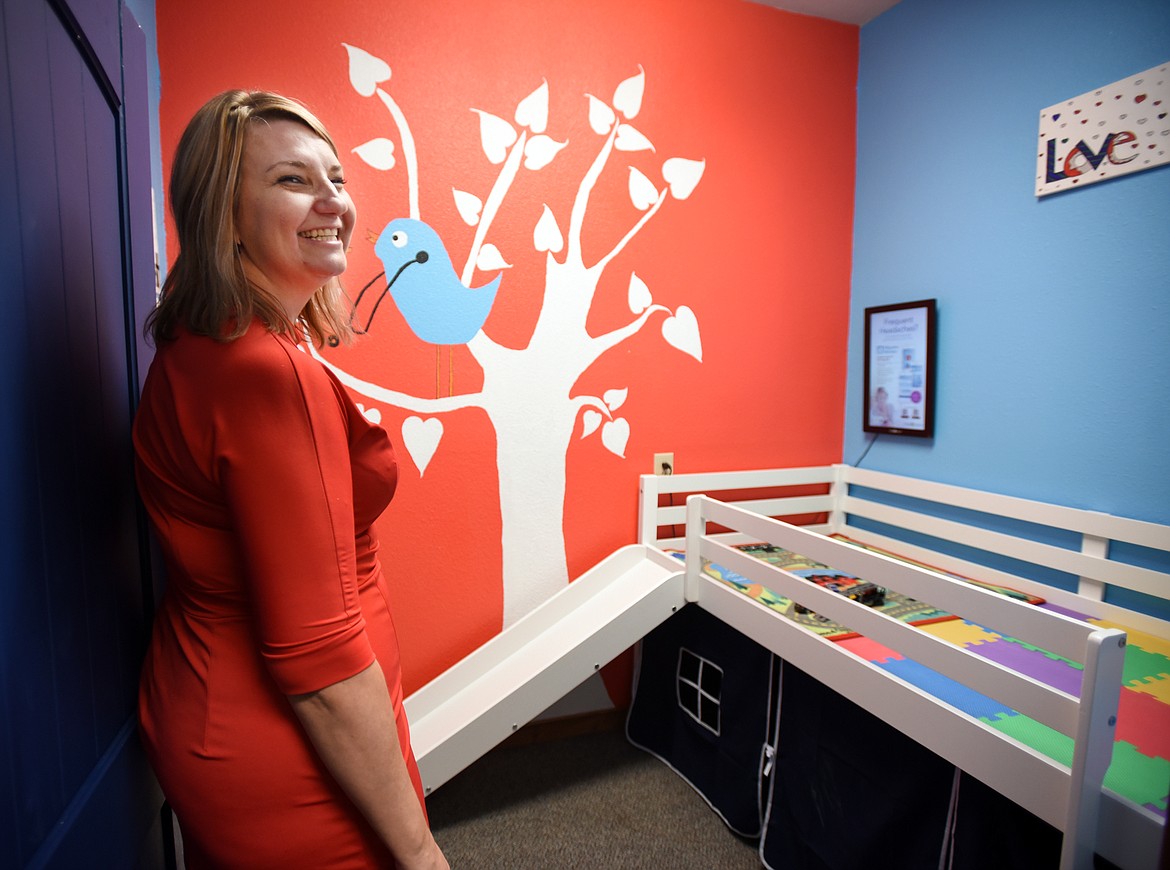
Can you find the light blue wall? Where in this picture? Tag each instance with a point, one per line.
(1054, 314)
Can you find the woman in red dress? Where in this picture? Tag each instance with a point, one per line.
(271, 697)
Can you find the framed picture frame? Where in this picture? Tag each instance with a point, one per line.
(900, 368)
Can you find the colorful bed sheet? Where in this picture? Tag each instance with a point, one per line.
(1140, 770)
(896, 605)
(982, 584)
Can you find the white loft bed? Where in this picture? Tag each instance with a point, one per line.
(514, 677)
(1069, 798)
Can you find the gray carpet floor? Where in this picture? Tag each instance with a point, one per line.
(591, 800)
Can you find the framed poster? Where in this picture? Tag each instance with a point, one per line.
(899, 368)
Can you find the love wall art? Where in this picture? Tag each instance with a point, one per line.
(1114, 130)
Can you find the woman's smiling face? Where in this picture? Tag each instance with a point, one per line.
(293, 217)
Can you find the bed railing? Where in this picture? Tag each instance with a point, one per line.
(851, 496)
(1066, 797)
(761, 491)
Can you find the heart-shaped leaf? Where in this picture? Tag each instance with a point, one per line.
(682, 175)
(532, 111)
(627, 99)
(614, 435)
(540, 150)
(590, 420)
(643, 193)
(421, 438)
(496, 135)
(371, 414)
(490, 259)
(468, 205)
(365, 70)
(614, 399)
(639, 294)
(682, 332)
(601, 116)
(547, 235)
(629, 139)
(378, 153)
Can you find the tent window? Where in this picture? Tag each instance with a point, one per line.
(700, 683)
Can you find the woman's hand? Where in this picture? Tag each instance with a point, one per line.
(430, 857)
(351, 725)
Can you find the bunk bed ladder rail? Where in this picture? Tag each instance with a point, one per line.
(1093, 748)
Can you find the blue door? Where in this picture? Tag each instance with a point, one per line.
(76, 268)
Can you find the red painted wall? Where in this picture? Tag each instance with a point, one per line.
(760, 251)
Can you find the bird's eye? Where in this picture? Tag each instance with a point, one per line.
(398, 239)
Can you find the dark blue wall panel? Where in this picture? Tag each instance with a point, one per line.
(74, 574)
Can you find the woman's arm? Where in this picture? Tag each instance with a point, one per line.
(351, 725)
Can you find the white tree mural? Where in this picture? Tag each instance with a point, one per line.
(528, 393)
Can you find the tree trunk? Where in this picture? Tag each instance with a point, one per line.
(530, 457)
(527, 396)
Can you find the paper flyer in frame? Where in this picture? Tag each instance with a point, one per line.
(1114, 130)
(899, 368)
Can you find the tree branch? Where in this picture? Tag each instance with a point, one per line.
(634, 230)
(408, 150)
(580, 402)
(581, 200)
(400, 400)
(496, 196)
(602, 343)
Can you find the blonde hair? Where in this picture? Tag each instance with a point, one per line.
(206, 290)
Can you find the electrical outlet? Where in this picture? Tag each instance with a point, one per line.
(664, 463)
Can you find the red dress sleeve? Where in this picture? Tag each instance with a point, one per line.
(281, 458)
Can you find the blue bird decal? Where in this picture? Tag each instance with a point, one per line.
(436, 305)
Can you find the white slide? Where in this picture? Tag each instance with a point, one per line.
(515, 676)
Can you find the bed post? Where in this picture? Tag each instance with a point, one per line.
(696, 528)
(648, 509)
(1093, 746)
(1092, 545)
(838, 489)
